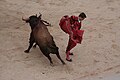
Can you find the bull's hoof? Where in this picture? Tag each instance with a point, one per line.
(52, 64)
(63, 63)
(70, 60)
(26, 51)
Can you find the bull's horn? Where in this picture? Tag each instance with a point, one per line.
(25, 19)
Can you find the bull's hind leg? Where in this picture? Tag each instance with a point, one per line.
(60, 58)
(48, 56)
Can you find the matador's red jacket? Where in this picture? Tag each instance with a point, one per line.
(72, 27)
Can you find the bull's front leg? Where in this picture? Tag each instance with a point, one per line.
(31, 42)
(30, 46)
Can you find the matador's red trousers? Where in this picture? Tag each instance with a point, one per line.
(77, 38)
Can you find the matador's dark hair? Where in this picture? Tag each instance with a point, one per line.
(83, 15)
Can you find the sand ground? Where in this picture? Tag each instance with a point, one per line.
(97, 57)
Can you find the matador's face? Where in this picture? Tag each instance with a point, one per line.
(81, 19)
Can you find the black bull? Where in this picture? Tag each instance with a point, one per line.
(41, 36)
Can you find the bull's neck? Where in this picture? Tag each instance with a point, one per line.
(40, 22)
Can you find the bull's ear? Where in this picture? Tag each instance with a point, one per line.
(39, 15)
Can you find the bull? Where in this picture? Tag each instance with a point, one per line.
(41, 36)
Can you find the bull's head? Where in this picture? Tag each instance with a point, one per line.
(32, 17)
(28, 19)
(32, 20)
